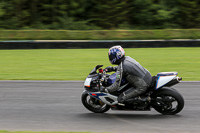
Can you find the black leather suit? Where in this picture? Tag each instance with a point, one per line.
(139, 77)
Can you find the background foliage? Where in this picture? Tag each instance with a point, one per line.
(99, 14)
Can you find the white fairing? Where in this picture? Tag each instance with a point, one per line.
(102, 96)
(162, 80)
(114, 98)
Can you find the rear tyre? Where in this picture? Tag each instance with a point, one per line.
(167, 101)
(94, 104)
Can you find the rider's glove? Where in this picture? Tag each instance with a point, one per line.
(108, 69)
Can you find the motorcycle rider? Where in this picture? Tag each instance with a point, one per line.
(128, 68)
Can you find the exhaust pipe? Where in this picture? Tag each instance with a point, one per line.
(179, 78)
(174, 81)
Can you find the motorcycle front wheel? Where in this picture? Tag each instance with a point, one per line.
(94, 104)
(167, 101)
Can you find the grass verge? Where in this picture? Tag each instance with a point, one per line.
(99, 34)
(75, 64)
(37, 132)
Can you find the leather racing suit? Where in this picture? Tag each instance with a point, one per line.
(139, 78)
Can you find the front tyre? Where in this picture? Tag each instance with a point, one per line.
(167, 101)
(94, 104)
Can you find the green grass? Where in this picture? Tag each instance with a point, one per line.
(37, 132)
(75, 64)
(99, 34)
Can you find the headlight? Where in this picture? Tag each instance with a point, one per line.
(87, 82)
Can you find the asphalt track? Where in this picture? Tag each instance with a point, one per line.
(56, 106)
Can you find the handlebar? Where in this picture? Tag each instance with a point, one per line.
(102, 74)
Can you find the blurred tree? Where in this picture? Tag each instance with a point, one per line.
(34, 13)
(7, 17)
(77, 9)
(2, 12)
(22, 13)
(17, 14)
(188, 15)
(51, 12)
(162, 14)
(107, 13)
(150, 13)
(141, 13)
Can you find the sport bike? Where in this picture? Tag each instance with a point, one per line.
(159, 95)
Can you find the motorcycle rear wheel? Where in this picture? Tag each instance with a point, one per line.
(93, 104)
(168, 101)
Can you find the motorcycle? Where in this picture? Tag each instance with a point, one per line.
(160, 95)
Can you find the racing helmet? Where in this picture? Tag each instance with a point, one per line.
(116, 54)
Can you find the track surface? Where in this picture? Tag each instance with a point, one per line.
(56, 106)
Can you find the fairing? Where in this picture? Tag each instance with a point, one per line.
(164, 78)
(112, 79)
